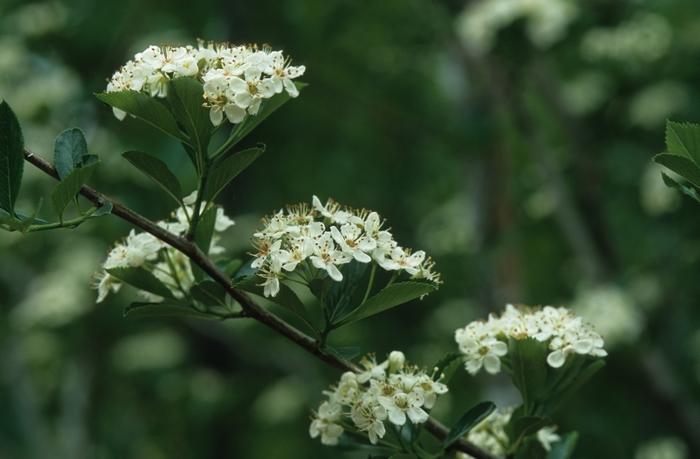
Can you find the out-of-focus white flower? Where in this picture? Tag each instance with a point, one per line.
(643, 39)
(236, 79)
(484, 343)
(657, 198)
(324, 237)
(546, 436)
(546, 21)
(612, 312)
(662, 448)
(654, 104)
(391, 390)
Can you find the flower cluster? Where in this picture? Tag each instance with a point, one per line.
(484, 343)
(547, 21)
(490, 434)
(391, 390)
(236, 79)
(325, 237)
(170, 266)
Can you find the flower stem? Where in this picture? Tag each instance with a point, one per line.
(370, 283)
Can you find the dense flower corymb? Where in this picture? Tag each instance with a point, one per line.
(143, 250)
(389, 391)
(326, 237)
(490, 434)
(236, 79)
(484, 343)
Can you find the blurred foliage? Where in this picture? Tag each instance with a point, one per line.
(523, 168)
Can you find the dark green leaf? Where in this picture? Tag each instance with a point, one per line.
(66, 190)
(209, 293)
(523, 426)
(446, 366)
(142, 280)
(468, 421)
(227, 169)
(564, 448)
(528, 368)
(203, 235)
(683, 139)
(339, 296)
(157, 171)
(69, 150)
(267, 109)
(186, 97)
(394, 295)
(145, 108)
(233, 266)
(681, 165)
(345, 352)
(164, 309)
(11, 158)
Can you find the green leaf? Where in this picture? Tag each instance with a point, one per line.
(345, 352)
(104, 209)
(70, 148)
(251, 122)
(145, 108)
(468, 421)
(523, 426)
(686, 189)
(157, 171)
(227, 169)
(528, 369)
(447, 366)
(209, 293)
(683, 139)
(338, 297)
(142, 280)
(164, 309)
(681, 165)
(186, 97)
(202, 237)
(11, 158)
(286, 297)
(564, 448)
(66, 189)
(391, 296)
(11, 223)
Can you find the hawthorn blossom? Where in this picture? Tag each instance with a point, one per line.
(388, 391)
(322, 238)
(485, 343)
(236, 79)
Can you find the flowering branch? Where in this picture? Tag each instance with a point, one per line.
(249, 307)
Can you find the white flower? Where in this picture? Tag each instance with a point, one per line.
(326, 257)
(271, 286)
(349, 238)
(105, 284)
(546, 436)
(396, 361)
(480, 351)
(402, 404)
(369, 417)
(140, 248)
(325, 424)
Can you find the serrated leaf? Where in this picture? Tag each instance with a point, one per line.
(468, 421)
(164, 309)
(186, 97)
(70, 147)
(564, 448)
(67, 188)
(11, 158)
(681, 165)
(145, 108)
(683, 139)
(251, 122)
(227, 169)
(157, 171)
(142, 280)
(394, 295)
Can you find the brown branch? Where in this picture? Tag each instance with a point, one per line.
(250, 307)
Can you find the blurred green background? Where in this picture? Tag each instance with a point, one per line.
(511, 143)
